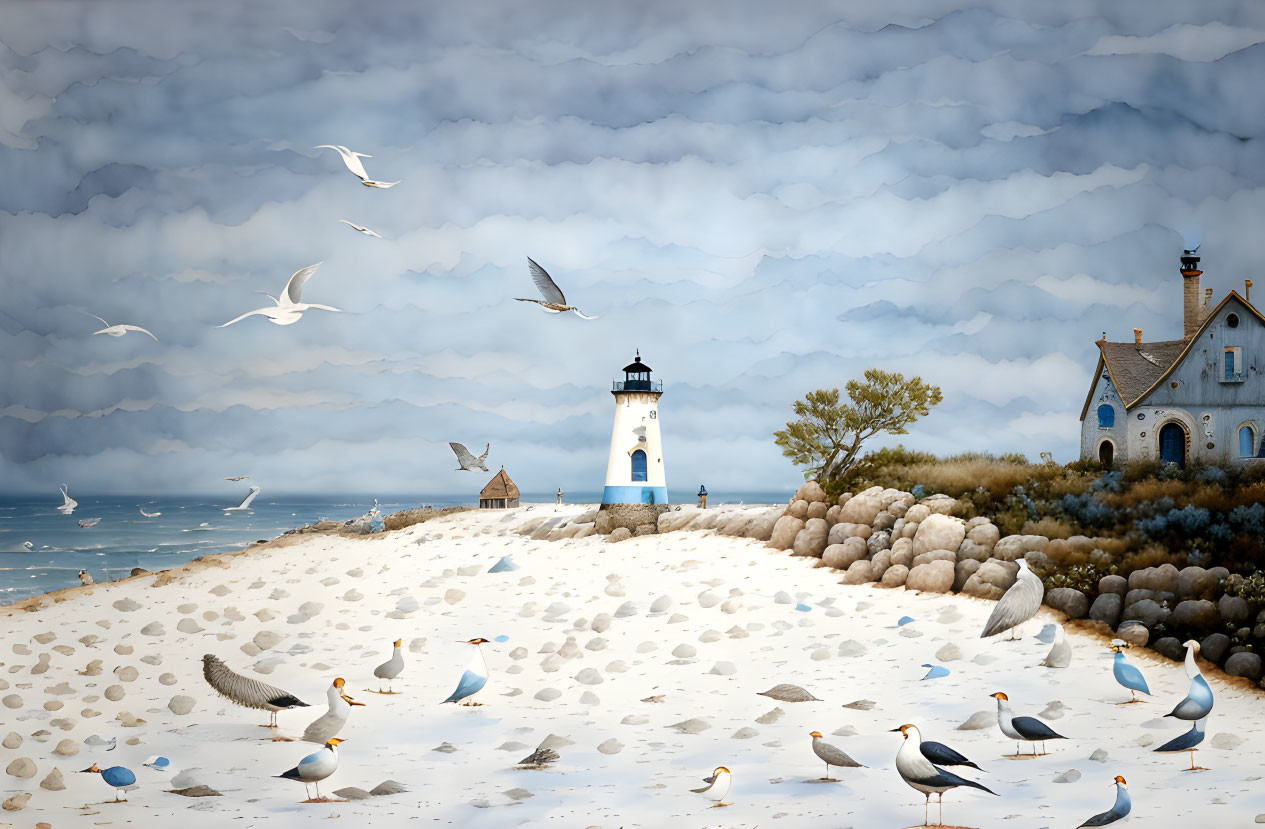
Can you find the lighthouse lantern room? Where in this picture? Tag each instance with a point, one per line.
(634, 470)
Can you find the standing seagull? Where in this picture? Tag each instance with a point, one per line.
(247, 692)
(1188, 742)
(1060, 655)
(366, 231)
(390, 669)
(1017, 605)
(85, 577)
(467, 462)
(554, 302)
(289, 306)
(315, 767)
(245, 504)
(473, 678)
(117, 330)
(1117, 812)
(831, 756)
(1028, 729)
(68, 503)
(923, 775)
(332, 721)
(1198, 701)
(717, 786)
(117, 776)
(1127, 675)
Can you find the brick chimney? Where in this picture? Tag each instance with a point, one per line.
(1207, 306)
(1137, 336)
(1192, 314)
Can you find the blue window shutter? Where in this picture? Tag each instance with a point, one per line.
(1229, 364)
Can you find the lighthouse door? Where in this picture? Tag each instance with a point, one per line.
(639, 465)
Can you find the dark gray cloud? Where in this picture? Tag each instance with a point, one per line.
(764, 201)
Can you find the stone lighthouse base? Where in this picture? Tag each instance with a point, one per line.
(632, 517)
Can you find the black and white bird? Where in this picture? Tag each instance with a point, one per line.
(247, 692)
(467, 462)
(1027, 729)
(554, 302)
(922, 775)
(1017, 605)
(315, 767)
(1119, 811)
(831, 756)
(717, 786)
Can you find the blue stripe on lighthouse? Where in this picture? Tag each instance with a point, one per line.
(635, 495)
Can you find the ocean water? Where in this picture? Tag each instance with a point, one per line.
(188, 527)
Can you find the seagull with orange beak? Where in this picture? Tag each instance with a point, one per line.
(390, 669)
(717, 786)
(924, 776)
(332, 721)
(831, 756)
(315, 767)
(473, 678)
(1117, 812)
(1028, 729)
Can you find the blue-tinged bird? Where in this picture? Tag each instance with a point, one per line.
(1028, 729)
(1198, 701)
(802, 608)
(315, 767)
(1127, 675)
(923, 775)
(501, 638)
(474, 677)
(95, 741)
(1188, 742)
(1117, 812)
(116, 776)
(158, 763)
(936, 671)
(505, 565)
(904, 620)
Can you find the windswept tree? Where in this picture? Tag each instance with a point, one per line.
(828, 434)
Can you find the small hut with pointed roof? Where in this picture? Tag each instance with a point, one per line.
(500, 493)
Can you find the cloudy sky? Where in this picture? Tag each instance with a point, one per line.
(765, 199)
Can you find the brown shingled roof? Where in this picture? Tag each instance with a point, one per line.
(500, 487)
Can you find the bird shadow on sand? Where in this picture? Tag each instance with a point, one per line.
(323, 800)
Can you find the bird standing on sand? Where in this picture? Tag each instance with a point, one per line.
(1017, 605)
(332, 721)
(117, 776)
(158, 763)
(1127, 675)
(247, 692)
(68, 503)
(315, 767)
(1198, 701)
(1060, 655)
(554, 302)
(924, 776)
(117, 330)
(390, 669)
(466, 462)
(1117, 812)
(1028, 729)
(85, 577)
(717, 786)
(473, 678)
(289, 306)
(831, 756)
(1188, 742)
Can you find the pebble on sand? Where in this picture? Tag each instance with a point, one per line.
(16, 803)
(23, 767)
(979, 721)
(12, 740)
(611, 746)
(67, 748)
(785, 692)
(53, 781)
(548, 694)
(694, 725)
(181, 704)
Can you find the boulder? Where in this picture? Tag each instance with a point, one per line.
(784, 532)
(1196, 583)
(934, 555)
(841, 556)
(1135, 633)
(1148, 612)
(895, 576)
(860, 509)
(604, 523)
(963, 571)
(859, 572)
(939, 504)
(678, 519)
(645, 529)
(1244, 663)
(916, 513)
(939, 532)
(619, 534)
(969, 549)
(985, 534)
(761, 526)
(1233, 610)
(1170, 647)
(1164, 577)
(883, 521)
(991, 580)
(932, 577)
(1198, 614)
(1214, 646)
(1138, 594)
(798, 509)
(1107, 608)
(878, 542)
(909, 530)
(1069, 600)
(1113, 584)
(879, 564)
(811, 540)
(898, 509)
(811, 491)
(817, 509)
(844, 530)
(1013, 547)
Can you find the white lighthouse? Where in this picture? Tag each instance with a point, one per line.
(634, 470)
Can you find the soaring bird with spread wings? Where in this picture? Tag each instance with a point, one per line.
(117, 330)
(554, 302)
(289, 306)
(468, 462)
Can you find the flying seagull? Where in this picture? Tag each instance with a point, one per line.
(289, 307)
(381, 185)
(468, 462)
(366, 231)
(149, 514)
(68, 503)
(117, 330)
(237, 478)
(89, 522)
(554, 302)
(245, 504)
(350, 158)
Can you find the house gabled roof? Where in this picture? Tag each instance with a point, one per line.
(1137, 369)
(500, 487)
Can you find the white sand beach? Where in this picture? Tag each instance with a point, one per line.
(646, 657)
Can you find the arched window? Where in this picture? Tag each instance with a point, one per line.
(1247, 442)
(1106, 416)
(639, 465)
